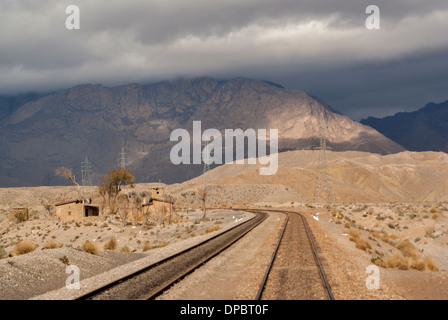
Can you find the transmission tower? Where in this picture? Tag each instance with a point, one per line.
(206, 174)
(323, 187)
(122, 159)
(86, 170)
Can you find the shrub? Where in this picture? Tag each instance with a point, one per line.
(362, 244)
(20, 215)
(3, 253)
(424, 264)
(407, 249)
(90, 247)
(25, 246)
(436, 215)
(125, 249)
(64, 260)
(396, 261)
(52, 245)
(147, 246)
(111, 244)
(211, 229)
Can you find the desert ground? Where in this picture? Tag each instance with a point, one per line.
(407, 240)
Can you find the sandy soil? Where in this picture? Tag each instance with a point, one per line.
(346, 264)
(383, 226)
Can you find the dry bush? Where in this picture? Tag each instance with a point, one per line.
(359, 242)
(211, 229)
(147, 246)
(24, 246)
(434, 210)
(111, 244)
(424, 264)
(90, 247)
(164, 243)
(20, 215)
(407, 249)
(125, 249)
(353, 235)
(362, 244)
(436, 215)
(396, 261)
(52, 245)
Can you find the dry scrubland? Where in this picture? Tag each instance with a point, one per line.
(403, 236)
(392, 211)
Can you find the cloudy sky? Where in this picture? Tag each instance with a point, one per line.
(321, 47)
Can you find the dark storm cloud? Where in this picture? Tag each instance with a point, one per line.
(321, 47)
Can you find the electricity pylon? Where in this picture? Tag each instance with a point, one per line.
(122, 159)
(323, 187)
(86, 170)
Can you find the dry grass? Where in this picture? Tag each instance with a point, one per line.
(211, 229)
(407, 249)
(396, 261)
(362, 244)
(388, 238)
(90, 247)
(425, 264)
(147, 246)
(25, 246)
(359, 242)
(111, 244)
(52, 245)
(436, 215)
(125, 249)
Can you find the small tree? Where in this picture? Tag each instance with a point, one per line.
(66, 173)
(203, 195)
(113, 182)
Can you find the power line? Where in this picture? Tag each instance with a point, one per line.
(323, 187)
(122, 159)
(86, 170)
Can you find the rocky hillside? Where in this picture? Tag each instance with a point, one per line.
(360, 177)
(422, 130)
(60, 129)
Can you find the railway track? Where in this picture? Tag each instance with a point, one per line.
(152, 280)
(294, 272)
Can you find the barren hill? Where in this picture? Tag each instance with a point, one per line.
(60, 129)
(355, 176)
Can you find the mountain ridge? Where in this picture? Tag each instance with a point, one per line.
(60, 129)
(423, 130)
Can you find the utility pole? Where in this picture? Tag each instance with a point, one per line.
(86, 170)
(323, 187)
(122, 159)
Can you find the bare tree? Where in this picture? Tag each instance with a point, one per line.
(203, 195)
(67, 173)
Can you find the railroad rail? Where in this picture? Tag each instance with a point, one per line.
(292, 215)
(152, 280)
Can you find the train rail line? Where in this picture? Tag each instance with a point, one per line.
(295, 271)
(152, 280)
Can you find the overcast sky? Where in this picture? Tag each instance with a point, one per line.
(320, 47)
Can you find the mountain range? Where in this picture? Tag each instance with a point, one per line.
(422, 130)
(62, 128)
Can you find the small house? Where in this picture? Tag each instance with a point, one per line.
(75, 210)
